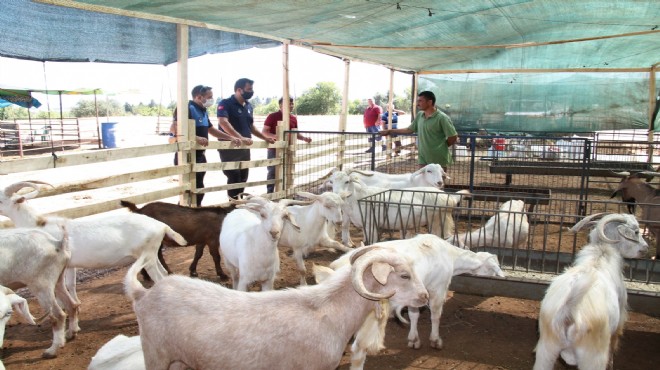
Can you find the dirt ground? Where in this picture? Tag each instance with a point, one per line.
(478, 332)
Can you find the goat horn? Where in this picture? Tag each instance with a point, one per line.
(600, 227)
(41, 319)
(622, 174)
(6, 290)
(332, 171)
(578, 226)
(289, 202)
(13, 188)
(360, 172)
(360, 263)
(307, 195)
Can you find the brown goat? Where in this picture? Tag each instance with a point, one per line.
(199, 226)
(633, 188)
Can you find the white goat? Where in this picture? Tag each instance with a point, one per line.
(303, 328)
(313, 231)
(435, 261)
(508, 228)
(32, 258)
(405, 209)
(584, 310)
(248, 241)
(98, 241)
(121, 352)
(431, 175)
(11, 302)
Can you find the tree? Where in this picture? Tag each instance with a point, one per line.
(272, 106)
(355, 107)
(128, 108)
(86, 108)
(324, 98)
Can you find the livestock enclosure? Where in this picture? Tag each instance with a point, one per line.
(93, 181)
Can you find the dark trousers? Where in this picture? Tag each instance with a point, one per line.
(270, 188)
(235, 176)
(200, 157)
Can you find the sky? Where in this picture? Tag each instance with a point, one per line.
(135, 83)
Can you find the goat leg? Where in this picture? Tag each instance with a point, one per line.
(214, 250)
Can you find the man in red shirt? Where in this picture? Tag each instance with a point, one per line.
(270, 130)
(371, 120)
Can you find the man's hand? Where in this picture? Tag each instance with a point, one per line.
(236, 141)
(307, 139)
(246, 140)
(202, 141)
(384, 132)
(269, 140)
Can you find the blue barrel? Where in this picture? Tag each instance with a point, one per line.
(108, 134)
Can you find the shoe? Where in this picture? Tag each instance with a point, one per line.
(384, 148)
(370, 150)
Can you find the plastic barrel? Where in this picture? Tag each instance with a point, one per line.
(499, 143)
(108, 134)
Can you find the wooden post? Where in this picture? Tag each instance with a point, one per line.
(344, 112)
(98, 130)
(390, 111)
(284, 125)
(185, 131)
(652, 102)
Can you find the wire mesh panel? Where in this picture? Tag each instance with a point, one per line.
(534, 244)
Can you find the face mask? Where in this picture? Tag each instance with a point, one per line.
(208, 103)
(247, 94)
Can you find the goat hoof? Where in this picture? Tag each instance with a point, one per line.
(48, 355)
(223, 277)
(70, 336)
(436, 344)
(414, 344)
(193, 274)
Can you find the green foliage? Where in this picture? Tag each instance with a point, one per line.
(324, 98)
(355, 107)
(268, 108)
(87, 108)
(13, 112)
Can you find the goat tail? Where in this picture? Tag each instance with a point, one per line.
(132, 287)
(180, 240)
(568, 300)
(131, 206)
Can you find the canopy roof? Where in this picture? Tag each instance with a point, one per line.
(415, 35)
(21, 98)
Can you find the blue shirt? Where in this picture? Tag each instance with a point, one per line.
(238, 115)
(395, 117)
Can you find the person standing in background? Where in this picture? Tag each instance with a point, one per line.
(371, 120)
(270, 130)
(395, 121)
(235, 117)
(202, 98)
(435, 132)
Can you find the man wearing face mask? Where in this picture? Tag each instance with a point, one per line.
(235, 118)
(202, 98)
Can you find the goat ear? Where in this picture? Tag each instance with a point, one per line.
(292, 220)
(627, 233)
(20, 305)
(381, 271)
(322, 273)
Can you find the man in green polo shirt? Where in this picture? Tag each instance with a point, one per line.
(435, 132)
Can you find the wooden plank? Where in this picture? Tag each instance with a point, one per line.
(113, 204)
(75, 159)
(218, 166)
(114, 180)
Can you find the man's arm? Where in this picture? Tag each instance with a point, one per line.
(223, 122)
(224, 136)
(263, 137)
(452, 140)
(172, 138)
(396, 131)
